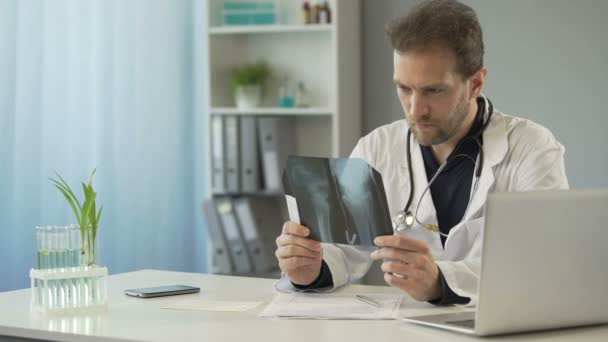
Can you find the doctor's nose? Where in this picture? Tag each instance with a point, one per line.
(418, 107)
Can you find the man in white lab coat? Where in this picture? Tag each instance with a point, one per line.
(456, 136)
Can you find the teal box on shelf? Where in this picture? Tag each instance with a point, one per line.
(249, 13)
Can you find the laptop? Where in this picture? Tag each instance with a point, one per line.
(543, 264)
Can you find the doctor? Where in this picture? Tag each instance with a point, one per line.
(438, 166)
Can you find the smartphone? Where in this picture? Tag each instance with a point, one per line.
(148, 292)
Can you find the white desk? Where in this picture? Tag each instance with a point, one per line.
(142, 319)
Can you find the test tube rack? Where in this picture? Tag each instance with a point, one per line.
(71, 288)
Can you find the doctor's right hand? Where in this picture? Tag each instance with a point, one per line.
(299, 257)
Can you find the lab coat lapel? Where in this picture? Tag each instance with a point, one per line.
(426, 211)
(495, 147)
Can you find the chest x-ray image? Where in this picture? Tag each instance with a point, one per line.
(341, 200)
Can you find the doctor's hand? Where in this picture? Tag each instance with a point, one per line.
(408, 265)
(299, 257)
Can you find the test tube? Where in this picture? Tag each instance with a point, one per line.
(40, 248)
(74, 261)
(75, 245)
(40, 264)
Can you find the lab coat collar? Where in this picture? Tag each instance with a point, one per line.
(495, 144)
(495, 147)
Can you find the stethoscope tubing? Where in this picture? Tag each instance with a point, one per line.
(408, 218)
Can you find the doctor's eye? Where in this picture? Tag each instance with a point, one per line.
(434, 91)
(404, 89)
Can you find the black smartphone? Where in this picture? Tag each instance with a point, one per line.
(148, 292)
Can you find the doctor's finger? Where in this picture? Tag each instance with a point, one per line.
(406, 284)
(293, 228)
(293, 263)
(401, 242)
(287, 239)
(395, 254)
(401, 271)
(289, 251)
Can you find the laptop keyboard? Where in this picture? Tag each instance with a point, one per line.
(470, 323)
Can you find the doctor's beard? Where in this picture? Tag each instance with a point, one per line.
(441, 130)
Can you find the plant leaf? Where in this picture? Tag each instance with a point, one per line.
(67, 197)
(90, 196)
(91, 179)
(67, 187)
(98, 216)
(87, 208)
(93, 209)
(67, 190)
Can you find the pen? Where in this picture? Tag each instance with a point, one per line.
(368, 300)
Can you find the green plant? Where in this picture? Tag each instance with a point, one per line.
(86, 214)
(250, 74)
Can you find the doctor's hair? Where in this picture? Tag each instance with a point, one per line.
(441, 23)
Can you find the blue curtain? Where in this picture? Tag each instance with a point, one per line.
(112, 85)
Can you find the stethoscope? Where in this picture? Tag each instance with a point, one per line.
(405, 220)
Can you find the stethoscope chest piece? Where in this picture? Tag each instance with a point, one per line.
(403, 221)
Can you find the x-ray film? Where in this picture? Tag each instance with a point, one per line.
(341, 200)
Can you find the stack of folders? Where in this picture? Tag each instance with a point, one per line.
(242, 232)
(249, 153)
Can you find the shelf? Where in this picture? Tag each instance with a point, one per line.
(260, 193)
(308, 111)
(248, 29)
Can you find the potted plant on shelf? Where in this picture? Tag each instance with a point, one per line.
(247, 84)
(86, 215)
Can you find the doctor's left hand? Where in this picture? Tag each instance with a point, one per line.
(408, 265)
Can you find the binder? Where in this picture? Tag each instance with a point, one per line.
(250, 165)
(232, 153)
(218, 180)
(257, 218)
(277, 141)
(234, 239)
(220, 259)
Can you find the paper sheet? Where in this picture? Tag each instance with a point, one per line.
(332, 306)
(212, 305)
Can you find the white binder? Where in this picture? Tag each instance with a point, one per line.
(250, 164)
(232, 149)
(260, 223)
(217, 154)
(240, 258)
(277, 141)
(220, 259)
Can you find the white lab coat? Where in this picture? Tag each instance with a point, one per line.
(520, 155)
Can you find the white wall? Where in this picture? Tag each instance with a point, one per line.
(547, 61)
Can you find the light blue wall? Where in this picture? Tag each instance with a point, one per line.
(114, 85)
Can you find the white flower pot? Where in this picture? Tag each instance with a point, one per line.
(247, 97)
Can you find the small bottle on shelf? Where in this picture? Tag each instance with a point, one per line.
(316, 12)
(286, 94)
(301, 97)
(306, 13)
(325, 13)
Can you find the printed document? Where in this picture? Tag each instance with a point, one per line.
(332, 306)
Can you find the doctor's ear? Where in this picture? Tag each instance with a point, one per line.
(477, 82)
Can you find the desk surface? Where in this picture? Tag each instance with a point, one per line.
(138, 319)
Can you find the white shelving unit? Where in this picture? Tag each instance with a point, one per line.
(269, 29)
(312, 111)
(326, 57)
